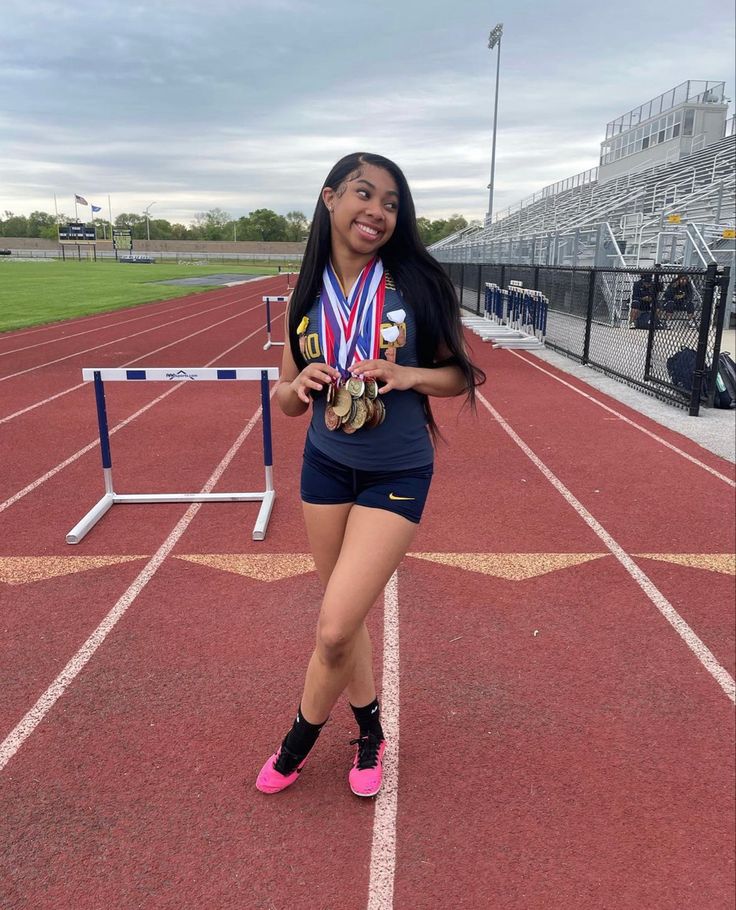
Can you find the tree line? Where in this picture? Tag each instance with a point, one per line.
(262, 224)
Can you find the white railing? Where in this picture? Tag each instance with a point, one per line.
(692, 90)
(614, 243)
(553, 189)
(727, 154)
(682, 187)
(700, 247)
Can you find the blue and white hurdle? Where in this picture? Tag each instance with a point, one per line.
(176, 374)
(268, 301)
(513, 318)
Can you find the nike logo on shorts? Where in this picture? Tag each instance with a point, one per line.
(394, 497)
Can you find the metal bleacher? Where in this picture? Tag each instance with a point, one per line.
(697, 192)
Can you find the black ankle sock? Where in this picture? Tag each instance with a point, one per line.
(369, 719)
(302, 735)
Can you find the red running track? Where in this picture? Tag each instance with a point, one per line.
(557, 742)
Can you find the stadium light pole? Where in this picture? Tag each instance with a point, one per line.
(494, 39)
(148, 226)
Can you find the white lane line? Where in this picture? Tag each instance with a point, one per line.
(46, 702)
(83, 451)
(78, 320)
(128, 363)
(383, 848)
(38, 404)
(105, 344)
(186, 300)
(72, 458)
(632, 423)
(99, 328)
(699, 649)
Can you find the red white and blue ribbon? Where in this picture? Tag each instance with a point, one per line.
(351, 325)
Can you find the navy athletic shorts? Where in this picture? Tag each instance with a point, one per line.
(327, 482)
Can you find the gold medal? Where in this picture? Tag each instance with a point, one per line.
(355, 386)
(370, 410)
(342, 402)
(360, 413)
(330, 393)
(382, 411)
(371, 388)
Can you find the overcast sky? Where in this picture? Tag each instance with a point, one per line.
(245, 104)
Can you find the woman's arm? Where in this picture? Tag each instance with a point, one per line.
(292, 391)
(444, 380)
(439, 382)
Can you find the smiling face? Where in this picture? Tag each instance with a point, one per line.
(363, 212)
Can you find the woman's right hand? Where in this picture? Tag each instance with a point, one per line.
(313, 376)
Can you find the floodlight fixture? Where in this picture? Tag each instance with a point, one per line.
(495, 37)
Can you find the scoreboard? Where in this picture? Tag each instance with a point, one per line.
(122, 239)
(76, 232)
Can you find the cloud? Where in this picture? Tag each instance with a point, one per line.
(240, 104)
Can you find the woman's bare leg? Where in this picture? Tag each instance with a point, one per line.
(325, 531)
(361, 687)
(374, 544)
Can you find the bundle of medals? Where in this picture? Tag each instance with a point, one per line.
(351, 328)
(353, 403)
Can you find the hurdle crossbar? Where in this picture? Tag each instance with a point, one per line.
(268, 301)
(178, 374)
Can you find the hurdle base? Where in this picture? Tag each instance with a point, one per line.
(264, 514)
(527, 344)
(83, 527)
(273, 344)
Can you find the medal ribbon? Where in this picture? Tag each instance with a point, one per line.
(351, 325)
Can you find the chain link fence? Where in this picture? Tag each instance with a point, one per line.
(630, 324)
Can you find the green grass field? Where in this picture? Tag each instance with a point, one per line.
(50, 290)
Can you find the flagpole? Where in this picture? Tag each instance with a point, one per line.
(76, 214)
(56, 209)
(109, 209)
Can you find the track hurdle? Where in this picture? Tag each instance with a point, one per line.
(163, 374)
(268, 301)
(289, 276)
(513, 318)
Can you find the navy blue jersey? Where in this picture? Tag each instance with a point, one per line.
(402, 441)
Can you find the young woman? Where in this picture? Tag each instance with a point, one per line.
(373, 329)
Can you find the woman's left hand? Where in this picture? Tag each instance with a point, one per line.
(390, 374)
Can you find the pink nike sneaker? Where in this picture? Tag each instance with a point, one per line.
(280, 771)
(366, 774)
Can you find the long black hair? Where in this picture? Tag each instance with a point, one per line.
(420, 279)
